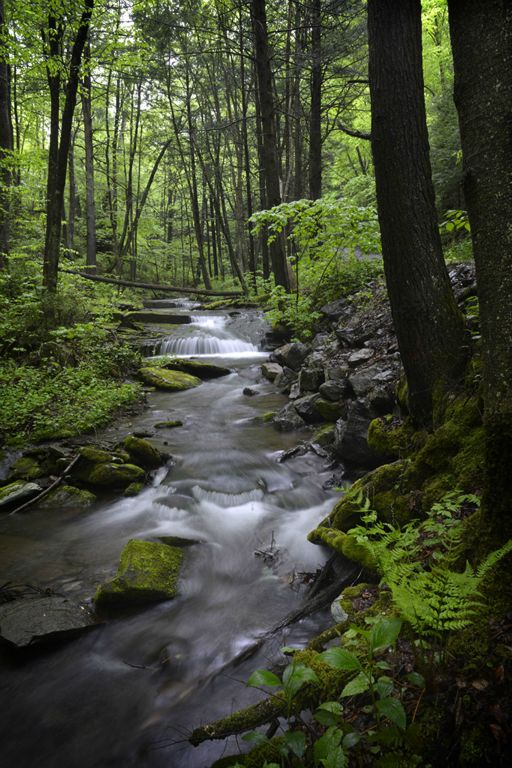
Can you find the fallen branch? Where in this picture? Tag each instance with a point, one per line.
(151, 286)
(46, 491)
(244, 720)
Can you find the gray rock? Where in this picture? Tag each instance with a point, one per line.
(333, 390)
(15, 493)
(248, 392)
(287, 420)
(294, 391)
(292, 355)
(360, 356)
(338, 613)
(364, 380)
(335, 309)
(285, 380)
(336, 372)
(310, 379)
(305, 407)
(350, 438)
(271, 370)
(381, 401)
(28, 621)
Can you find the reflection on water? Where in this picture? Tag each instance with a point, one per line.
(129, 692)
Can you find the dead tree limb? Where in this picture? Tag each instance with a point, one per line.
(46, 491)
(152, 286)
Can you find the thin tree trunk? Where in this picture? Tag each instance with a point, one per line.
(90, 206)
(428, 325)
(6, 142)
(315, 123)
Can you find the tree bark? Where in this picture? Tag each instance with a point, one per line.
(6, 142)
(429, 327)
(481, 36)
(90, 205)
(59, 147)
(268, 122)
(315, 121)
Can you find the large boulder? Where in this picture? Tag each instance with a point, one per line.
(306, 408)
(331, 410)
(114, 476)
(333, 389)
(16, 493)
(310, 379)
(364, 380)
(67, 497)
(148, 572)
(142, 452)
(351, 438)
(162, 378)
(287, 420)
(271, 370)
(27, 621)
(25, 468)
(292, 355)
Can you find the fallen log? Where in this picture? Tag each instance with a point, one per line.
(152, 286)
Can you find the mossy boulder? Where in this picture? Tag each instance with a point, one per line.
(26, 468)
(95, 455)
(17, 492)
(142, 452)
(114, 476)
(148, 572)
(133, 489)
(196, 368)
(68, 496)
(324, 436)
(343, 544)
(162, 378)
(397, 439)
(331, 410)
(168, 424)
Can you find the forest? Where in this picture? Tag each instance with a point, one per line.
(256, 383)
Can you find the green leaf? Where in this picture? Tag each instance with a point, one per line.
(384, 686)
(256, 738)
(328, 712)
(393, 710)
(351, 739)
(416, 679)
(327, 750)
(296, 742)
(359, 684)
(340, 658)
(263, 677)
(294, 677)
(384, 634)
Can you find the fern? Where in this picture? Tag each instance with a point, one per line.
(415, 563)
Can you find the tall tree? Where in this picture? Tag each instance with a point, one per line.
(60, 128)
(481, 36)
(90, 204)
(428, 325)
(6, 140)
(315, 120)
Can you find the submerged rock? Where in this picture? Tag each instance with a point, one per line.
(17, 492)
(148, 572)
(163, 378)
(31, 620)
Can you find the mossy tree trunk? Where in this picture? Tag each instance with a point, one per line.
(482, 50)
(428, 325)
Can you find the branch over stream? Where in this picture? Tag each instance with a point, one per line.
(152, 286)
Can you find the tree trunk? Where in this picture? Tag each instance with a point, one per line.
(429, 327)
(482, 51)
(6, 142)
(315, 120)
(59, 148)
(90, 205)
(269, 140)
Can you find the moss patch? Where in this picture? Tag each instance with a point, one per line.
(115, 476)
(329, 410)
(162, 378)
(25, 468)
(195, 368)
(148, 572)
(142, 452)
(68, 496)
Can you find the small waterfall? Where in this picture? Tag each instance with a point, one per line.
(206, 335)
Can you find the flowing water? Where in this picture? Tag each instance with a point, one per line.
(127, 693)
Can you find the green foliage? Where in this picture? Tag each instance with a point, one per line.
(324, 235)
(418, 563)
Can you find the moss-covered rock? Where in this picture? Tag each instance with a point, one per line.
(95, 455)
(344, 544)
(148, 572)
(26, 468)
(142, 452)
(17, 492)
(133, 489)
(331, 410)
(114, 476)
(68, 496)
(325, 435)
(390, 438)
(196, 368)
(168, 424)
(162, 378)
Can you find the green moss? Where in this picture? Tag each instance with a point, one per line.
(25, 468)
(194, 367)
(402, 394)
(325, 435)
(168, 424)
(148, 572)
(268, 416)
(114, 476)
(331, 411)
(96, 455)
(133, 489)
(344, 544)
(68, 496)
(18, 491)
(142, 452)
(389, 438)
(175, 381)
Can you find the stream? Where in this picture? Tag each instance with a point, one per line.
(127, 693)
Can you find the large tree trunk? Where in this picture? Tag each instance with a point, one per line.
(268, 122)
(59, 146)
(482, 50)
(315, 120)
(90, 205)
(428, 325)
(6, 142)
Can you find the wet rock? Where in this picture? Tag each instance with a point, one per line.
(157, 317)
(285, 380)
(271, 370)
(148, 572)
(248, 392)
(351, 438)
(336, 372)
(294, 392)
(197, 368)
(360, 356)
(133, 489)
(331, 410)
(25, 468)
(291, 355)
(287, 420)
(162, 378)
(28, 621)
(178, 541)
(93, 455)
(114, 476)
(310, 379)
(306, 408)
(324, 436)
(338, 613)
(334, 390)
(364, 380)
(68, 497)
(141, 452)
(168, 424)
(16, 493)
